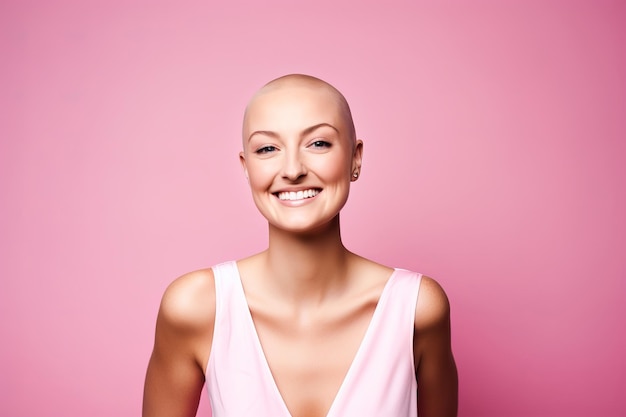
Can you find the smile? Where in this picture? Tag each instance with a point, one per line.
(297, 195)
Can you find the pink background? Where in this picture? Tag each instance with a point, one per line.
(495, 161)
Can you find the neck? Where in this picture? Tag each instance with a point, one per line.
(307, 268)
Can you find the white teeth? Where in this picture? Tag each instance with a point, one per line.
(297, 195)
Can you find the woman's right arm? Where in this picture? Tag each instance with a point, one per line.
(184, 333)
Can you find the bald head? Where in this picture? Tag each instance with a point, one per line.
(302, 82)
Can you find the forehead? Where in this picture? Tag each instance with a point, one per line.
(293, 106)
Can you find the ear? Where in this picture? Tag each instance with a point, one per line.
(242, 161)
(357, 160)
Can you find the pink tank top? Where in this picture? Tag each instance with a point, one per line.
(380, 381)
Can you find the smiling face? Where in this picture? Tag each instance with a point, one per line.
(299, 153)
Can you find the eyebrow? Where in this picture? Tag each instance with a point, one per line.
(305, 132)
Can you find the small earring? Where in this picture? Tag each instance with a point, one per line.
(355, 174)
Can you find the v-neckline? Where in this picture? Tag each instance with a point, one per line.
(353, 364)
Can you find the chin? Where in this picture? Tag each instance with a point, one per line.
(306, 227)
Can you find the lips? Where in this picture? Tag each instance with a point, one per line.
(297, 195)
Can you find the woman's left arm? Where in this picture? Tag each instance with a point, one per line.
(435, 368)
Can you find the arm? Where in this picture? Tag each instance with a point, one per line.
(184, 333)
(434, 363)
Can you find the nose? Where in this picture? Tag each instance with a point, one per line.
(293, 166)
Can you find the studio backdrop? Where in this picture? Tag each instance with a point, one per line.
(494, 161)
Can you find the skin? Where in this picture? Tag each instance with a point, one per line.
(310, 316)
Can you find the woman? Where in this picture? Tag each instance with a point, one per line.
(305, 328)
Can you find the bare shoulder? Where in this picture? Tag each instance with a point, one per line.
(182, 342)
(435, 367)
(376, 272)
(189, 301)
(433, 306)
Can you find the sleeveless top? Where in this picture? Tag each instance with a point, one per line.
(380, 381)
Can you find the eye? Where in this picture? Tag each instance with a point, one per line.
(320, 144)
(266, 149)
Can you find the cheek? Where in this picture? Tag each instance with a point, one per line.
(258, 174)
(335, 169)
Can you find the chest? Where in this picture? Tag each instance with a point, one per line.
(353, 360)
(310, 360)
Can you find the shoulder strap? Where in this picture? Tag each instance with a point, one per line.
(236, 364)
(383, 377)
